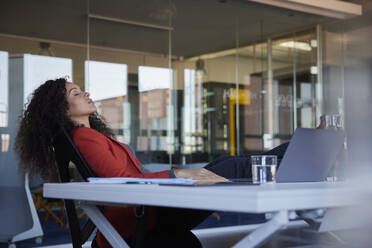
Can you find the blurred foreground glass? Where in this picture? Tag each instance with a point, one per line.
(263, 168)
(333, 121)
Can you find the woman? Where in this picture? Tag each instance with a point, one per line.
(61, 103)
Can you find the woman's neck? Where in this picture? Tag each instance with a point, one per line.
(83, 121)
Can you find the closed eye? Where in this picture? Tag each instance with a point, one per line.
(75, 91)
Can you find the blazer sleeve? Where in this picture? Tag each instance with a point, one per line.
(98, 153)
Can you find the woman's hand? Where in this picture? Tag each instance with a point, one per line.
(199, 174)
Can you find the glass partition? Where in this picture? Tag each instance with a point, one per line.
(189, 102)
(185, 82)
(107, 84)
(270, 90)
(253, 66)
(294, 80)
(156, 113)
(4, 102)
(239, 83)
(3, 89)
(36, 69)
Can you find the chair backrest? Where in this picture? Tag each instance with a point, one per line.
(66, 152)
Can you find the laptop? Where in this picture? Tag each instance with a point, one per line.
(310, 155)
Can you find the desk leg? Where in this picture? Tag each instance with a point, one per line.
(264, 231)
(104, 226)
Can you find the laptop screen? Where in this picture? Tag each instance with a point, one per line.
(310, 155)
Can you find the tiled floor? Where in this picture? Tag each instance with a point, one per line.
(59, 237)
(56, 236)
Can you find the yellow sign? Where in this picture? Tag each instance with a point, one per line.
(244, 96)
(244, 99)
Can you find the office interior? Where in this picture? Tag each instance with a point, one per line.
(185, 82)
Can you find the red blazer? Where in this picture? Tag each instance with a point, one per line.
(109, 158)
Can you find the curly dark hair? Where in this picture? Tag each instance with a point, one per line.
(42, 120)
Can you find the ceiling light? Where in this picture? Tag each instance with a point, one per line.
(296, 45)
(314, 70)
(330, 8)
(314, 43)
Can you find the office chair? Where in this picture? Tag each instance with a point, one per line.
(48, 205)
(66, 152)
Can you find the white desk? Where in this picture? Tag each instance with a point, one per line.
(280, 199)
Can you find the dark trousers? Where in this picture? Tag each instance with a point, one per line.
(240, 166)
(174, 224)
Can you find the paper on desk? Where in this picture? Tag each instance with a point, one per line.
(180, 181)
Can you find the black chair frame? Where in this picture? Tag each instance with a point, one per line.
(66, 152)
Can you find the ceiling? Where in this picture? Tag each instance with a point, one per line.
(199, 26)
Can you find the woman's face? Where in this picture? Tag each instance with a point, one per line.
(79, 103)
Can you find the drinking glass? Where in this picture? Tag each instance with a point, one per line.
(263, 168)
